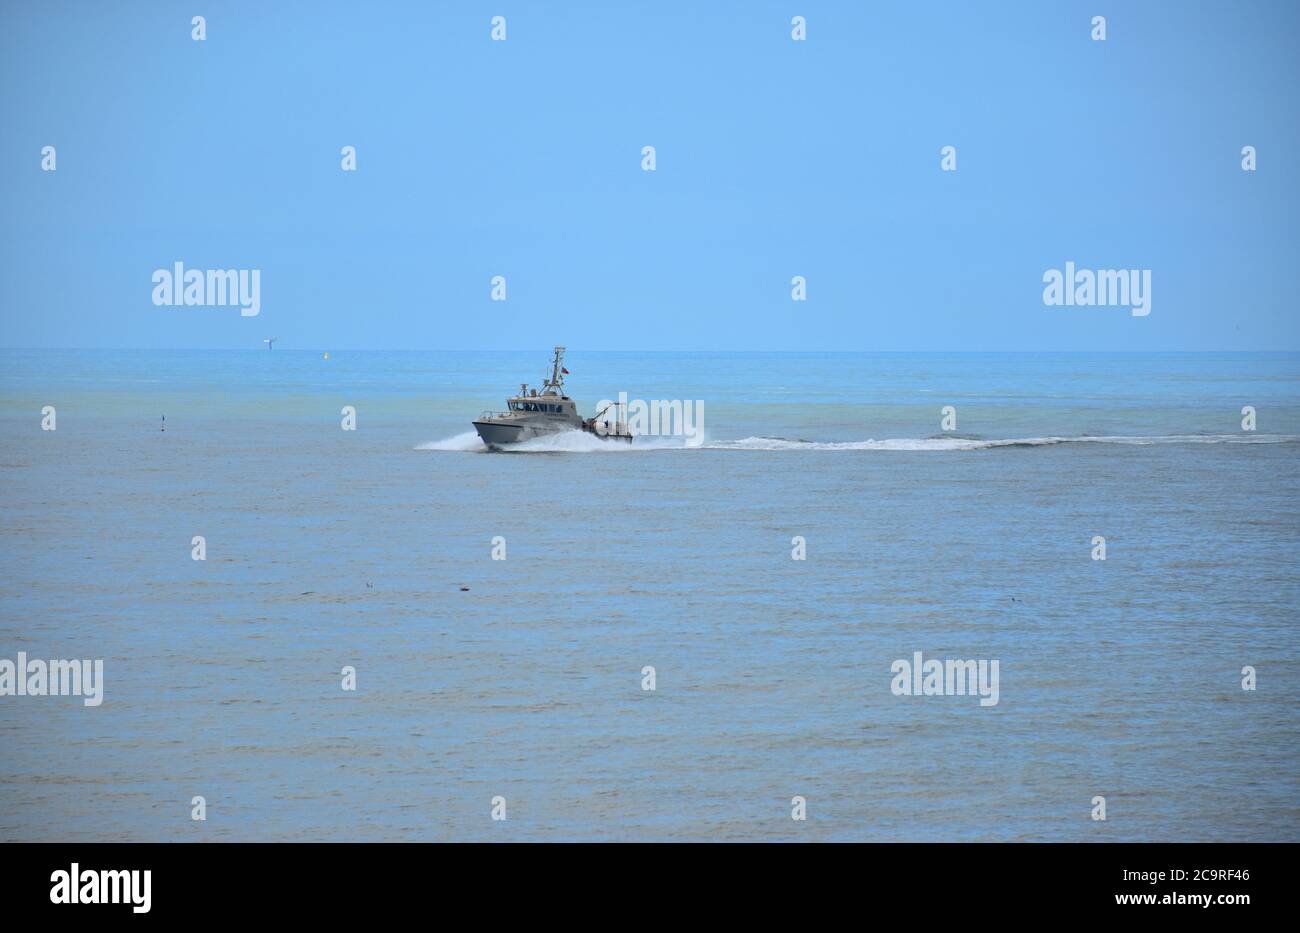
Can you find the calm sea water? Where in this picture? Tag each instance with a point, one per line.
(328, 548)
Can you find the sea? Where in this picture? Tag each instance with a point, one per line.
(678, 639)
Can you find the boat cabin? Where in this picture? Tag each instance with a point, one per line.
(544, 404)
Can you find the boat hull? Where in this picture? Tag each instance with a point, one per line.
(500, 434)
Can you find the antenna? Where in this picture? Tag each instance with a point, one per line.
(557, 371)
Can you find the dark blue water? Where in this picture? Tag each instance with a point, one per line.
(328, 548)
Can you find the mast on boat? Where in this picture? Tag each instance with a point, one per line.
(556, 382)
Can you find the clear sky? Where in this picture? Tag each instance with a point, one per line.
(775, 158)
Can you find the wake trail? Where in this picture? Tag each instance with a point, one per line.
(582, 442)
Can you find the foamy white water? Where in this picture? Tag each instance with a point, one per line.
(582, 442)
(468, 441)
(576, 442)
(970, 443)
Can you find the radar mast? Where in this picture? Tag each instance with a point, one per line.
(555, 385)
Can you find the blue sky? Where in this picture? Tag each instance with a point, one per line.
(775, 158)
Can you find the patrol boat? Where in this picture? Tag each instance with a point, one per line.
(535, 414)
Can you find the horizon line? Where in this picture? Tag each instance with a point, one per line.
(838, 352)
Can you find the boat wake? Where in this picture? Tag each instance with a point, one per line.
(574, 442)
(582, 442)
(469, 441)
(975, 443)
